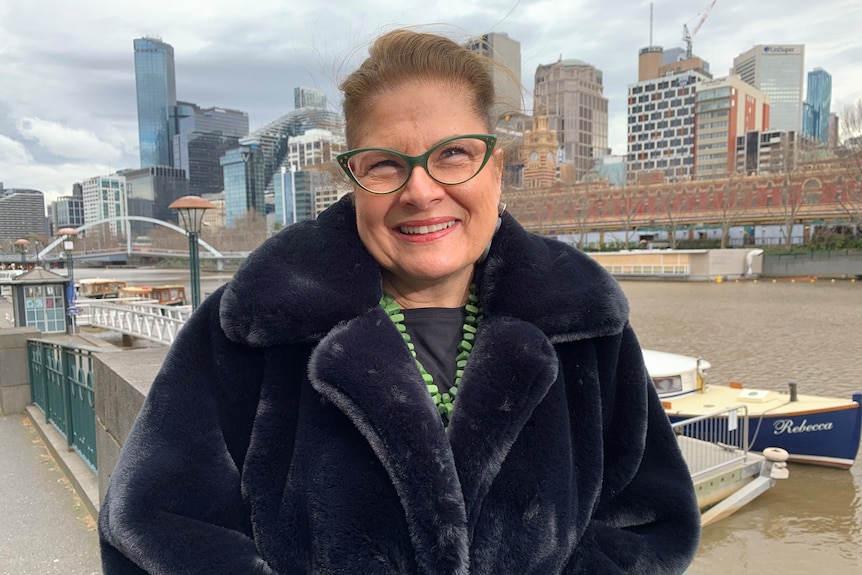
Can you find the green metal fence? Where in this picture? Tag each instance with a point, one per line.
(61, 385)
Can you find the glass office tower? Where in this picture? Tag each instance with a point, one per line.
(777, 71)
(157, 96)
(818, 105)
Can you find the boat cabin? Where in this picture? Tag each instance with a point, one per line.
(98, 288)
(163, 295)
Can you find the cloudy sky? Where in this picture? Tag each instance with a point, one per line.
(67, 84)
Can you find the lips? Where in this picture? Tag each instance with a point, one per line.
(421, 230)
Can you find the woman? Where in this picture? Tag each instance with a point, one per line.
(410, 384)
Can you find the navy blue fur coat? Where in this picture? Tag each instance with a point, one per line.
(289, 431)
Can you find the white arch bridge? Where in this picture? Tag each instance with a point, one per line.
(210, 251)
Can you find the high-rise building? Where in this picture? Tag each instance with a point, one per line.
(766, 152)
(296, 192)
(777, 70)
(105, 198)
(22, 213)
(834, 126)
(68, 211)
(726, 107)
(505, 56)
(203, 135)
(570, 94)
(313, 147)
(155, 84)
(308, 98)
(266, 151)
(817, 106)
(661, 125)
(149, 192)
(244, 181)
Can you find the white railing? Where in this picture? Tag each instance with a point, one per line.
(722, 439)
(148, 321)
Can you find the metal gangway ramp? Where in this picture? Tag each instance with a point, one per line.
(142, 319)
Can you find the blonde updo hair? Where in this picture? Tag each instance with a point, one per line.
(401, 56)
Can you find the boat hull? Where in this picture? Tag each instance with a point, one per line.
(810, 431)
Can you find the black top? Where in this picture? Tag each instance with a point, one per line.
(435, 333)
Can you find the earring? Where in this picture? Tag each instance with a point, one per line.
(501, 207)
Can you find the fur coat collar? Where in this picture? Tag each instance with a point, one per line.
(285, 294)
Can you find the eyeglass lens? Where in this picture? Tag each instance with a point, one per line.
(452, 162)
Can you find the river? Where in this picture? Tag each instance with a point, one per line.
(764, 334)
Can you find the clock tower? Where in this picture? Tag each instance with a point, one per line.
(540, 155)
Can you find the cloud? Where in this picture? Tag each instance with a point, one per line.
(13, 152)
(70, 143)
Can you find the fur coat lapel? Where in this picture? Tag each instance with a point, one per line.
(511, 369)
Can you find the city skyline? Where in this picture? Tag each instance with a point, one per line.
(68, 111)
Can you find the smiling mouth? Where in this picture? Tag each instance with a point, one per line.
(419, 230)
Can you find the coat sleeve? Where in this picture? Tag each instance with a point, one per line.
(174, 502)
(646, 520)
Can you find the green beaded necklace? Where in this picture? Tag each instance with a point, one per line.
(444, 401)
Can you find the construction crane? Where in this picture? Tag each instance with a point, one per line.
(686, 36)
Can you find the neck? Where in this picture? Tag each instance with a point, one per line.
(451, 292)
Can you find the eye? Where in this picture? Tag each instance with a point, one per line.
(375, 163)
(454, 151)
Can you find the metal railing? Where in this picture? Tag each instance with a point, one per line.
(61, 386)
(722, 440)
(148, 321)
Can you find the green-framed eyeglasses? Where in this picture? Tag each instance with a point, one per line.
(451, 162)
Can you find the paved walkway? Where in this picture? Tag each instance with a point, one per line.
(45, 529)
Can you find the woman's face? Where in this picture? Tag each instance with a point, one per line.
(427, 233)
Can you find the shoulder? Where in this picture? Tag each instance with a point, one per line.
(565, 292)
(291, 287)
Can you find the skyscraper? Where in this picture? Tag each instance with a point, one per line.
(818, 103)
(726, 108)
(203, 134)
(149, 192)
(505, 69)
(68, 211)
(105, 197)
(155, 84)
(22, 212)
(570, 94)
(308, 98)
(777, 71)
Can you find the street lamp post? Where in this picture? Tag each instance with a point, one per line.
(69, 235)
(191, 210)
(22, 245)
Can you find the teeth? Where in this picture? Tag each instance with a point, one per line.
(417, 230)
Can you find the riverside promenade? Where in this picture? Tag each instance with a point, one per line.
(45, 528)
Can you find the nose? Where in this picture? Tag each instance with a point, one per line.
(421, 190)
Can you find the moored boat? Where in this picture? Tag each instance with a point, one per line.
(811, 428)
(171, 295)
(99, 288)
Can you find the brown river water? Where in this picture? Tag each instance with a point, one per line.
(764, 334)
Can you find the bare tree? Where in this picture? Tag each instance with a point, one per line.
(848, 193)
(631, 201)
(728, 200)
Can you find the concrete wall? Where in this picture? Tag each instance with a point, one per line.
(14, 370)
(821, 264)
(122, 381)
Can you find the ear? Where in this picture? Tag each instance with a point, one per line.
(497, 161)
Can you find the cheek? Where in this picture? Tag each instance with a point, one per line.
(370, 216)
